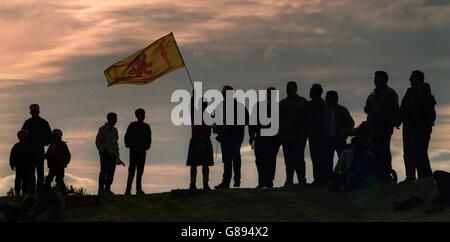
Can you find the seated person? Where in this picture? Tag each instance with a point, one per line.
(355, 167)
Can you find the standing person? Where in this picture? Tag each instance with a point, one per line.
(382, 115)
(58, 157)
(340, 123)
(138, 138)
(108, 148)
(230, 137)
(417, 114)
(39, 137)
(200, 150)
(317, 123)
(21, 160)
(292, 133)
(266, 147)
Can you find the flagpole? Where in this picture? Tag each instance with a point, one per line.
(189, 75)
(185, 66)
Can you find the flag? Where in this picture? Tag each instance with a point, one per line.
(146, 65)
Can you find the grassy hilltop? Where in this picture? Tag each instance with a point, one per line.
(297, 204)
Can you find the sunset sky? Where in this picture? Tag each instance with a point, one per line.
(54, 54)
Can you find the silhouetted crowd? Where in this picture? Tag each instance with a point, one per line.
(322, 123)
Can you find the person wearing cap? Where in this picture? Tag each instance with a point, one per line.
(39, 136)
(58, 157)
(138, 139)
(108, 148)
(20, 160)
(230, 137)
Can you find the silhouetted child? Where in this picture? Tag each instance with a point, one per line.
(58, 157)
(21, 161)
(200, 151)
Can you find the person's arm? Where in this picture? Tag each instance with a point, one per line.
(395, 110)
(369, 103)
(350, 123)
(13, 158)
(127, 138)
(149, 143)
(67, 154)
(48, 133)
(99, 140)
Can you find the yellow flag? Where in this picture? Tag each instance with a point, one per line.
(144, 66)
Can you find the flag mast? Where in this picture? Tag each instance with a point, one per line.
(184, 63)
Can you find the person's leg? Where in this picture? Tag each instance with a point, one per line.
(226, 159)
(131, 171)
(111, 171)
(205, 173)
(236, 152)
(59, 172)
(422, 159)
(314, 150)
(40, 168)
(329, 147)
(287, 150)
(386, 151)
(51, 175)
(259, 160)
(18, 184)
(408, 152)
(273, 148)
(300, 164)
(140, 170)
(443, 184)
(193, 172)
(103, 172)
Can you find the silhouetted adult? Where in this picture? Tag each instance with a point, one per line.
(21, 160)
(58, 157)
(292, 133)
(138, 138)
(417, 113)
(339, 124)
(317, 123)
(108, 148)
(230, 137)
(200, 150)
(39, 136)
(382, 115)
(266, 147)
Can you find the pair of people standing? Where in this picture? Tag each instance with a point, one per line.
(137, 139)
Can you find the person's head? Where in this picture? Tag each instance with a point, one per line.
(112, 118)
(57, 135)
(291, 88)
(332, 98)
(140, 114)
(225, 89)
(425, 89)
(417, 77)
(381, 78)
(22, 135)
(34, 110)
(315, 91)
(269, 91)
